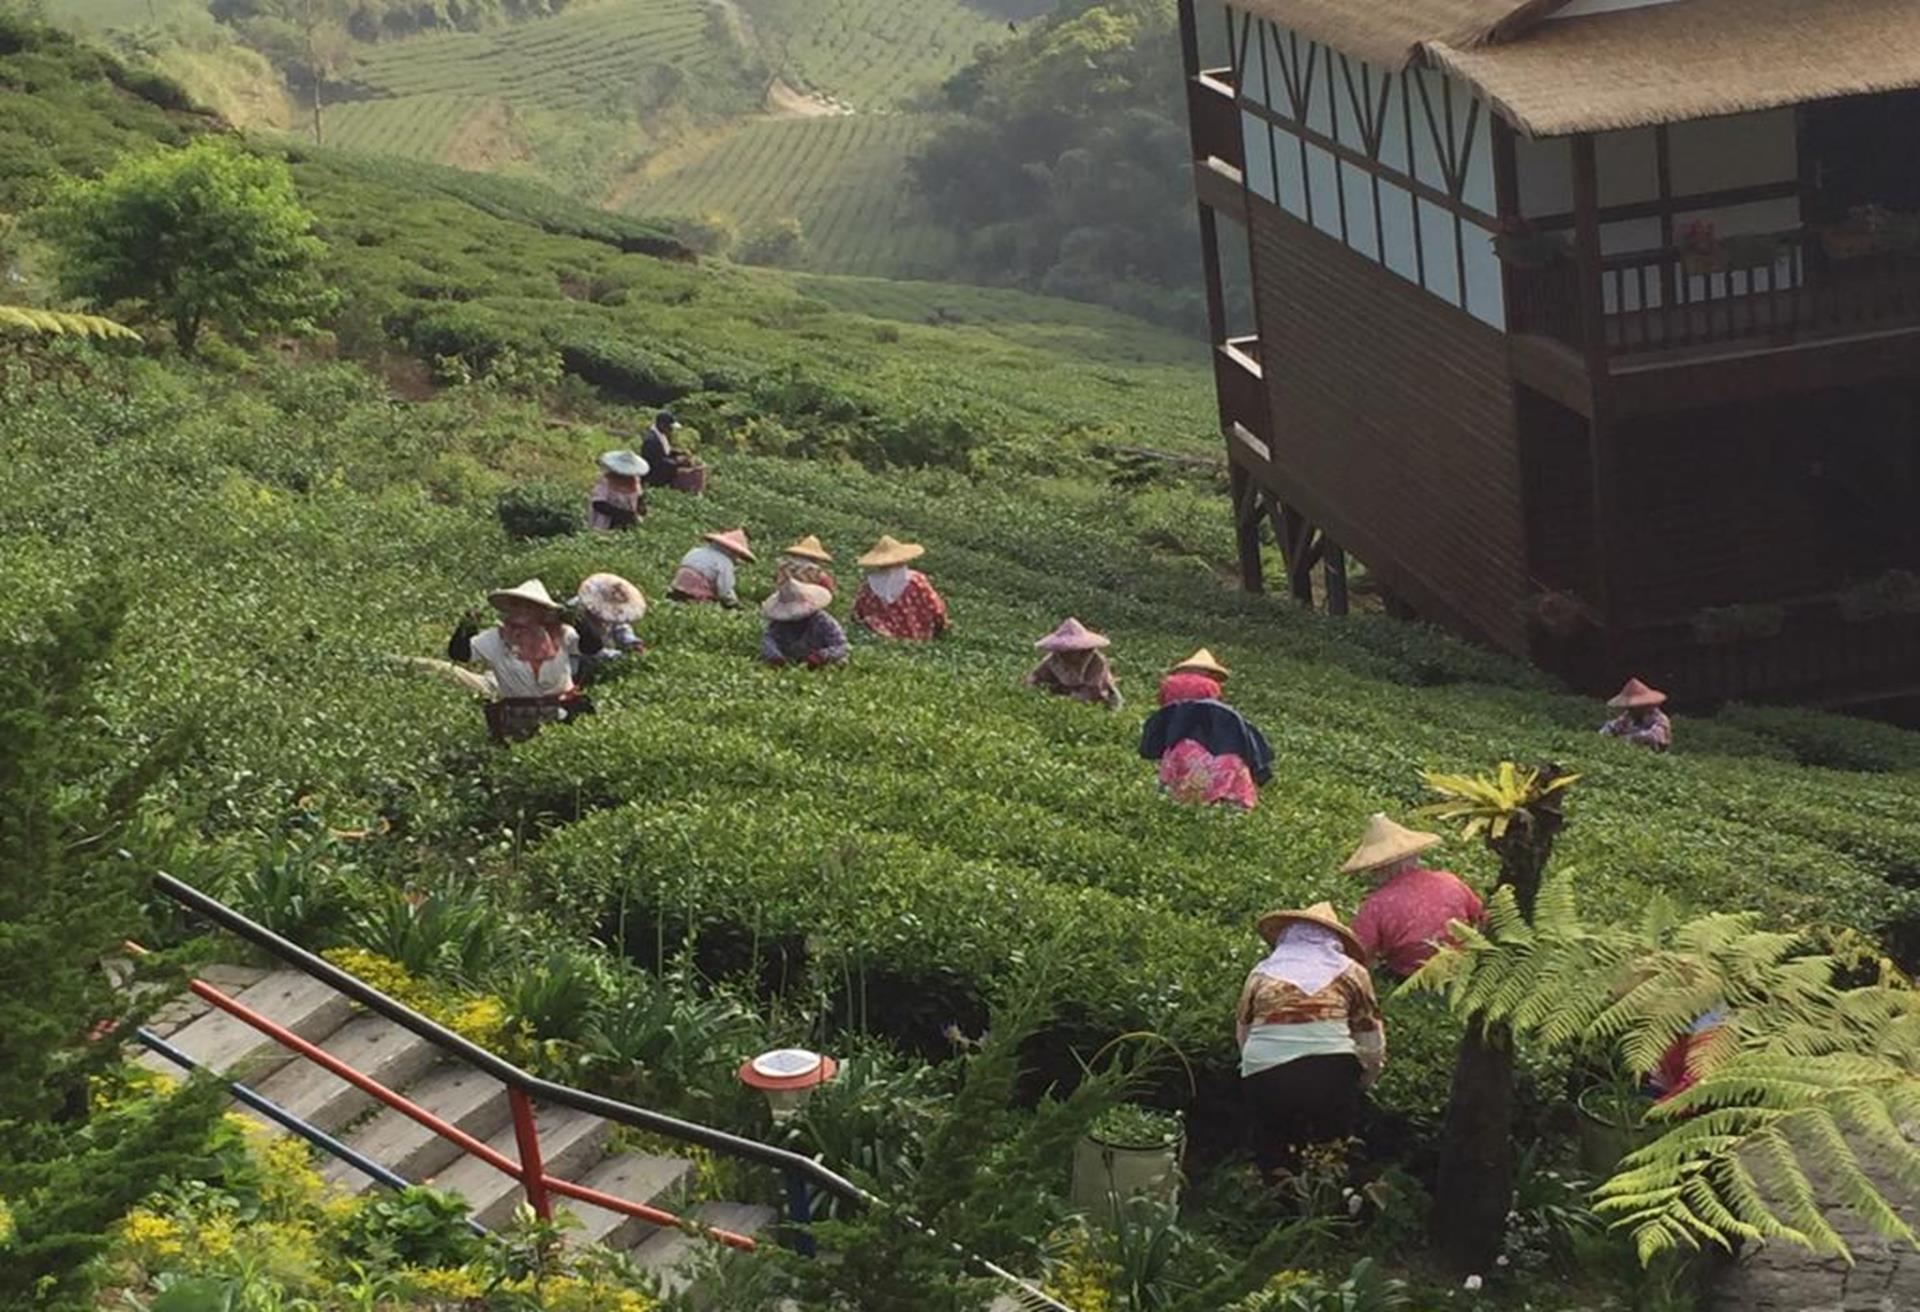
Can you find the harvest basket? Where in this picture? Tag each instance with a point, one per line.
(691, 479)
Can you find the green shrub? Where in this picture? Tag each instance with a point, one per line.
(540, 510)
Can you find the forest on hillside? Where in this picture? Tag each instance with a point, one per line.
(1065, 171)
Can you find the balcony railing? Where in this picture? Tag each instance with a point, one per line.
(1242, 385)
(1215, 118)
(1778, 291)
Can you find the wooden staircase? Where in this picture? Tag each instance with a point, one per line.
(574, 1145)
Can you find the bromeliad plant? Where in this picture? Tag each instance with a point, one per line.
(1798, 1096)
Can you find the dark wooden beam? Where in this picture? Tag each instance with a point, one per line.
(1334, 568)
(1221, 188)
(1246, 528)
(1653, 209)
(1600, 439)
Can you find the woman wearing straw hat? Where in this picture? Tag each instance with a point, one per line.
(1405, 919)
(530, 656)
(1310, 1035)
(1641, 721)
(706, 572)
(608, 607)
(805, 561)
(1208, 753)
(799, 630)
(1074, 667)
(618, 499)
(897, 602)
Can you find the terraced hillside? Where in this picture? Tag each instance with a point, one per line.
(870, 54)
(842, 178)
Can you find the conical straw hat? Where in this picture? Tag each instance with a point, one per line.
(1202, 662)
(612, 599)
(795, 601)
(1635, 693)
(533, 591)
(890, 551)
(1321, 914)
(1386, 841)
(733, 541)
(808, 548)
(625, 463)
(1072, 635)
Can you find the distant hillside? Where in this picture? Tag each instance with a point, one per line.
(752, 117)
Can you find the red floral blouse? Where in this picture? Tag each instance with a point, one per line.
(916, 615)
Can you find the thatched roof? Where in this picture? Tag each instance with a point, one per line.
(1690, 59)
(1391, 32)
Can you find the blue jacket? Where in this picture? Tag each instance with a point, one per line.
(1216, 726)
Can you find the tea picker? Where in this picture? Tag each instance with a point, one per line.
(529, 657)
(1311, 1036)
(799, 630)
(706, 573)
(1208, 752)
(1641, 721)
(1404, 920)
(607, 607)
(805, 561)
(1074, 666)
(619, 499)
(895, 601)
(667, 467)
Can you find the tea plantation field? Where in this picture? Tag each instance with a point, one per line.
(897, 837)
(912, 826)
(842, 178)
(870, 54)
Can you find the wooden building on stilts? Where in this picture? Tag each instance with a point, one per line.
(1592, 327)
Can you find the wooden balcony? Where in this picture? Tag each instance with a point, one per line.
(1674, 330)
(1816, 657)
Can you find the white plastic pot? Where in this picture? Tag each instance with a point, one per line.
(1103, 1172)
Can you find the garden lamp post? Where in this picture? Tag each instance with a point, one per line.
(788, 1077)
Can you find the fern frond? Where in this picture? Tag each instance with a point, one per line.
(19, 320)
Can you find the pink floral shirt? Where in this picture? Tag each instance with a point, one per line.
(1405, 919)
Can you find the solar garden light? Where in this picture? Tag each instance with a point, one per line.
(788, 1077)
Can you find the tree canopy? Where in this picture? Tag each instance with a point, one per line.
(1067, 165)
(204, 235)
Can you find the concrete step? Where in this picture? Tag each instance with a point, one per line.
(570, 1145)
(185, 1008)
(457, 1094)
(231, 1047)
(656, 1181)
(665, 1252)
(371, 1045)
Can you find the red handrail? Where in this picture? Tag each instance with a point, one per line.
(529, 1171)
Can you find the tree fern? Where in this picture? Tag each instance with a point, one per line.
(1799, 1089)
(20, 321)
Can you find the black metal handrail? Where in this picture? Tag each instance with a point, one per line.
(797, 1171)
(790, 1164)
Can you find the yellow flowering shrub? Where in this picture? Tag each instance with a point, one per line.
(474, 1016)
(6, 1225)
(1081, 1278)
(149, 1238)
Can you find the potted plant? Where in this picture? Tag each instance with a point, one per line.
(1743, 622)
(1522, 246)
(1895, 592)
(1129, 1150)
(1753, 250)
(1700, 248)
(1613, 1123)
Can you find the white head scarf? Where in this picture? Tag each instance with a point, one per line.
(1306, 956)
(888, 584)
